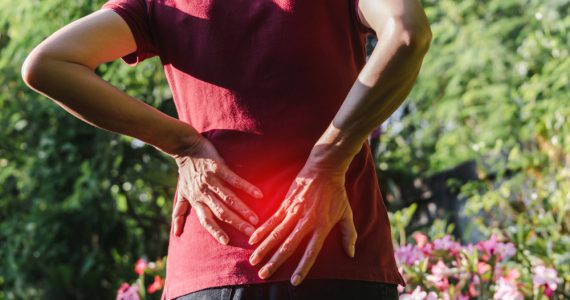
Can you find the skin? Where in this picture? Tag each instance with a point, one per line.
(317, 199)
(62, 68)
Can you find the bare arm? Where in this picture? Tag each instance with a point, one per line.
(62, 68)
(385, 81)
(317, 199)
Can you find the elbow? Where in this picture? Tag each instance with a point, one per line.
(31, 71)
(412, 36)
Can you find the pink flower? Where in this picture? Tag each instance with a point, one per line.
(483, 268)
(447, 244)
(440, 269)
(473, 290)
(418, 294)
(506, 290)
(545, 276)
(431, 296)
(513, 275)
(489, 246)
(140, 266)
(156, 285)
(505, 250)
(438, 276)
(128, 292)
(421, 239)
(409, 254)
(548, 292)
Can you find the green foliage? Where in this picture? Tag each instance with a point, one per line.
(495, 78)
(78, 204)
(495, 88)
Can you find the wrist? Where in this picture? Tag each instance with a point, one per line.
(335, 150)
(187, 146)
(179, 141)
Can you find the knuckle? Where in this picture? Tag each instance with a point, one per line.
(275, 235)
(271, 222)
(311, 253)
(229, 200)
(202, 186)
(215, 167)
(208, 175)
(220, 212)
(285, 249)
(209, 226)
(235, 181)
(295, 208)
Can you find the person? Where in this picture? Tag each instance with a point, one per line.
(277, 196)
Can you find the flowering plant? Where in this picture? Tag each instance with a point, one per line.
(149, 273)
(489, 269)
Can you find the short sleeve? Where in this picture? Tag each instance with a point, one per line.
(361, 26)
(136, 15)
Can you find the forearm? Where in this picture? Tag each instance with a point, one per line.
(380, 88)
(78, 90)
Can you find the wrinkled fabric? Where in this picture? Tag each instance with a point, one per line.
(262, 80)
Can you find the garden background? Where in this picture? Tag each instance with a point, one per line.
(479, 151)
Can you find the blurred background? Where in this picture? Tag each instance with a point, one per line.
(479, 153)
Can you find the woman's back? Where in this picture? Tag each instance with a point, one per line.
(262, 80)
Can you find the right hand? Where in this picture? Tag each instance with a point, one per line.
(203, 175)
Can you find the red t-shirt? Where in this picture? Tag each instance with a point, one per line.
(262, 80)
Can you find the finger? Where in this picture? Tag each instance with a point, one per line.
(232, 200)
(224, 214)
(285, 251)
(179, 213)
(348, 231)
(232, 178)
(262, 231)
(311, 252)
(206, 219)
(269, 225)
(276, 237)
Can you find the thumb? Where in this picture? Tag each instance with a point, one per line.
(179, 213)
(348, 231)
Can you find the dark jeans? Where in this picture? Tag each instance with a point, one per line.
(327, 289)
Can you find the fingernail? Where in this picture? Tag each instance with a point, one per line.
(253, 220)
(351, 250)
(253, 260)
(258, 194)
(248, 230)
(252, 239)
(263, 273)
(296, 280)
(224, 240)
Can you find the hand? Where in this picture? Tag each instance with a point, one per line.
(315, 202)
(203, 173)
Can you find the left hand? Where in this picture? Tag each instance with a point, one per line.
(315, 203)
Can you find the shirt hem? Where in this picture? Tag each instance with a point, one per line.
(174, 290)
